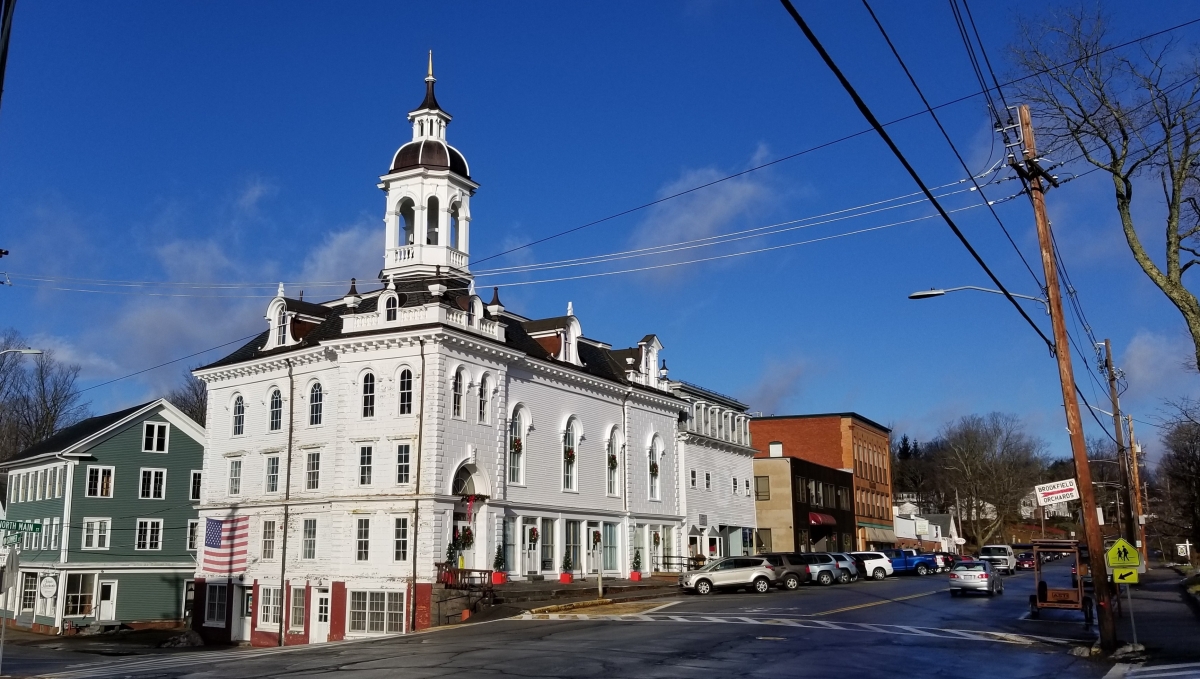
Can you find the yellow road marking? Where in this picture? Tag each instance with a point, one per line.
(875, 603)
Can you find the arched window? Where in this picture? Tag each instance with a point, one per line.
(405, 387)
(612, 462)
(456, 394)
(485, 394)
(431, 222)
(570, 441)
(463, 483)
(276, 412)
(391, 308)
(368, 395)
(316, 404)
(516, 446)
(655, 459)
(408, 221)
(454, 227)
(239, 416)
(281, 326)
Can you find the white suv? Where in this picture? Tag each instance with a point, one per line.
(878, 565)
(1002, 558)
(732, 572)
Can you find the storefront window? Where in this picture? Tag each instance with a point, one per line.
(80, 587)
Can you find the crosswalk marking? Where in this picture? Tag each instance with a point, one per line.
(841, 626)
(1189, 670)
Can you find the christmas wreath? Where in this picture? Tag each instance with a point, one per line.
(466, 538)
(656, 539)
(515, 446)
(612, 462)
(533, 537)
(653, 468)
(569, 455)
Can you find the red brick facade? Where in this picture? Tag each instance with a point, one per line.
(841, 441)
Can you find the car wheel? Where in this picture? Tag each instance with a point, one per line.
(922, 569)
(879, 574)
(844, 577)
(991, 590)
(825, 578)
(703, 587)
(790, 581)
(762, 585)
(1001, 589)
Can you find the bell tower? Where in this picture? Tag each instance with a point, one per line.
(428, 205)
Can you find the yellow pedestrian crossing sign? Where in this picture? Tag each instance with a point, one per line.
(1125, 576)
(1122, 555)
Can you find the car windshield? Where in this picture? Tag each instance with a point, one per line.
(1025, 555)
(969, 567)
(995, 551)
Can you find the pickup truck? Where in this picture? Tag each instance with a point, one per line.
(909, 561)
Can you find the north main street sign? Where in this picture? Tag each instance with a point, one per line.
(23, 526)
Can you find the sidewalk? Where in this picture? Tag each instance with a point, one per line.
(515, 598)
(1167, 625)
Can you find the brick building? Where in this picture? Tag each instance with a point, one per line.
(846, 441)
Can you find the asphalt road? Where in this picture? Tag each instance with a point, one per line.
(902, 626)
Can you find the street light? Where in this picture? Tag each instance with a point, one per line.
(21, 351)
(938, 292)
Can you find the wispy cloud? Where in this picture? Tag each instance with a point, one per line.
(781, 381)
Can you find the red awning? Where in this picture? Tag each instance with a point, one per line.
(818, 519)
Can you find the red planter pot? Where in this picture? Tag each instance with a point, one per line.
(566, 578)
(499, 577)
(636, 576)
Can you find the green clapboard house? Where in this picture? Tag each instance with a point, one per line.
(115, 496)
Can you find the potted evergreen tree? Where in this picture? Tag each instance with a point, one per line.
(566, 576)
(499, 577)
(635, 573)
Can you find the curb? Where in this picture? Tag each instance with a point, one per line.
(558, 608)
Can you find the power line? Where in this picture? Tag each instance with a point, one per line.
(946, 135)
(176, 360)
(985, 91)
(878, 127)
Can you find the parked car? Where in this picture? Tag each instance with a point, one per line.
(791, 570)
(754, 572)
(875, 565)
(823, 568)
(847, 564)
(976, 576)
(909, 561)
(1001, 557)
(943, 561)
(1025, 561)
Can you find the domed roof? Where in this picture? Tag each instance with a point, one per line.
(434, 154)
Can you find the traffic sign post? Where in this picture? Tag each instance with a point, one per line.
(1123, 562)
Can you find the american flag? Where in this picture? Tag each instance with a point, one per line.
(225, 542)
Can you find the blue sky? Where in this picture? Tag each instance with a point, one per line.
(241, 143)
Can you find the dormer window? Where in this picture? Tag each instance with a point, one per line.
(391, 308)
(281, 327)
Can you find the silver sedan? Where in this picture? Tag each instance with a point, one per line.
(975, 576)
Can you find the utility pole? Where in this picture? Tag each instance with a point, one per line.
(1129, 528)
(1139, 511)
(1030, 171)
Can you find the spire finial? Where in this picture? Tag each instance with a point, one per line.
(279, 292)
(429, 76)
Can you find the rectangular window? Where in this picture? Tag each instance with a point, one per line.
(24, 488)
(42, 476)
(235, 477)
(400, 539)
(747, 487)
(395, 612)
(52, 481)
(271, 474)
(215, 601)
(735, 486)
(376, 611)
(149, 534)
(693, 478)
(269, 606)
(62, 482)
(268, 540)
(365, 453)
(707, 481)
(95, 533)
(609, 546)
(99, 482)
(195, 486)
(312, 471)
(154, 437)
(80, 587)
(296, 619)
(572, 547)
(154, 484)
(762, 488)
(402, 463)
(547, 537)
(764, 537)
(358, 611)
(14, 482)
(193, 534)
(309, 543)
(55, 529)
(362, 540)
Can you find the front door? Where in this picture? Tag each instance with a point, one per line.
(530, 537)
(466, 557)
(108, 600)
(243, 602)
(319, 625)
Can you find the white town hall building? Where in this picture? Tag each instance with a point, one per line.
(358, 443)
